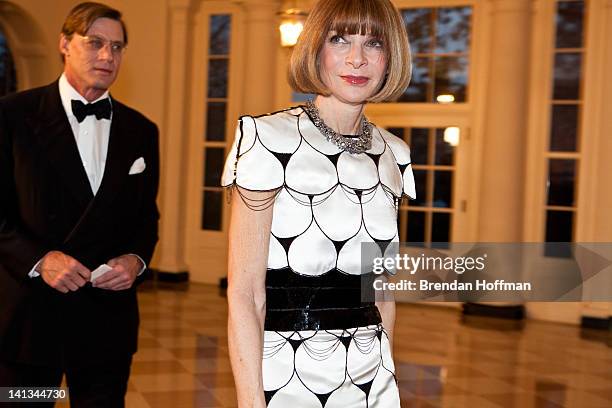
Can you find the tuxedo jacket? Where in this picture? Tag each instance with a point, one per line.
(47, 204)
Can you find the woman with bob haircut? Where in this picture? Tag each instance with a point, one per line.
(311, 184)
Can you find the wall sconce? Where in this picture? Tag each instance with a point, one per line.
(291, 26)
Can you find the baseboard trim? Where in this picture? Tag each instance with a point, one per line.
(599, 323)
(171, 277)
(513, 312)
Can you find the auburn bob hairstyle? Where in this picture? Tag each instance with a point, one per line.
(378, 18)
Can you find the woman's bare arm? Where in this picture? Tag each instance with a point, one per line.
(385, 301)
(249, 238)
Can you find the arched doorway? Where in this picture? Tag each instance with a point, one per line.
(23, 43)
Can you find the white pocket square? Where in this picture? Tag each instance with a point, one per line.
(138, 166)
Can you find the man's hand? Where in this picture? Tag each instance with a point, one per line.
(123, 275)
(62, 272)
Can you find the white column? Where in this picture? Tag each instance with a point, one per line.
(169, 256)
(262, 44)
(501, 197)
(503, 150)
(602, 218)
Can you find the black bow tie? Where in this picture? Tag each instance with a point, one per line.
(102, 109)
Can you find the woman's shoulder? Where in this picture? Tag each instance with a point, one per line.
(277, 132)
(256, 159)
(398, 146)
(401, 152)
(279, 118)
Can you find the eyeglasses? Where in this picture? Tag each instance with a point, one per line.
(95, 44)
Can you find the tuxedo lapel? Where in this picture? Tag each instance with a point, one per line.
(116, 169)
(54, 135)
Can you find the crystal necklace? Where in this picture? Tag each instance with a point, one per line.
(353, 145)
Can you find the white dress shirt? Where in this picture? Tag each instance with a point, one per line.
(91, 136)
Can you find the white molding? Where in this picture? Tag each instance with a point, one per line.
(591, 124)
(503, 127)
(206, 251)
(509, 6)
(538, 126)
(170, 250)
(477, 97)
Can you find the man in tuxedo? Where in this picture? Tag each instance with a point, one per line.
(78, 182)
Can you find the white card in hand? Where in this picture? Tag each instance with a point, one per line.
(100, 270)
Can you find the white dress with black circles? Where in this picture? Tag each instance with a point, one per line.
(323, 346)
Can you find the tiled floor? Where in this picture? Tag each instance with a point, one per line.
(442, 359)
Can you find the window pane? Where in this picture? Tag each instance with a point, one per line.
(419, 27)
(451, 77)
(569, 24)
(564, 128)
(440, 229)
(415, 227)
(453, 29)
(220, 29)
(443, 188)
(215, 121)
(421, 79)
(211, 210)
(431, 32)
(559, 226)
(419, 145)
(217, 78)
(214, 158)
(561, 182)
(444, 150)
(567, 76)
(420, 182)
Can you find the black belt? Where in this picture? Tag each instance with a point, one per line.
(321, 319)
(334, 300)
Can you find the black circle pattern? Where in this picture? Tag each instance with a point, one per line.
(327, 202)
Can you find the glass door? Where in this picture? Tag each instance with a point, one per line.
(435, 218)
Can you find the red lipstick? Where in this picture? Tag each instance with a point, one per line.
(355, 80)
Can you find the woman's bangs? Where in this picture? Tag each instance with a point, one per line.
(359, 17)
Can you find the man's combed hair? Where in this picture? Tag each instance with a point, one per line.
(83, 15)
(378, 18)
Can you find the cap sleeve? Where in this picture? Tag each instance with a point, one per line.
(401, 151)
(409, 188)
(249, 164)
